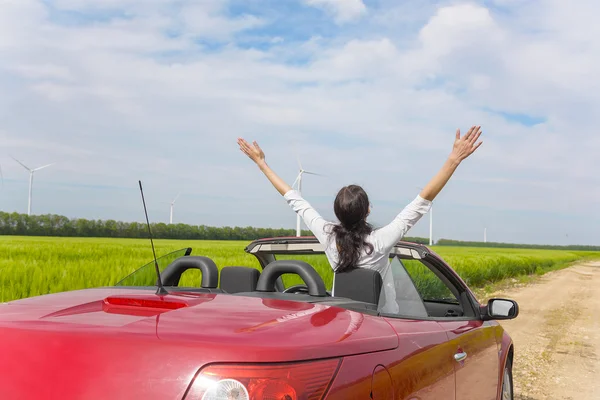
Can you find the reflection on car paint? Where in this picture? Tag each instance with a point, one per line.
(320, 315)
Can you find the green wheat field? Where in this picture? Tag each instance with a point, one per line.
(31, 266)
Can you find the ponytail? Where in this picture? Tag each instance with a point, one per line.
(350, 242)
(351, 207)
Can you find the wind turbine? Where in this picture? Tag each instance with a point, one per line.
(172, 204)
(31, 171)
(298, 181)
(485, 224)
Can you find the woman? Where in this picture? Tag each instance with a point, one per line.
(353, 243)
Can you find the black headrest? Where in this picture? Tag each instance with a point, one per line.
(358, 284)
(239, 279)
(312, 279)
(210, 273)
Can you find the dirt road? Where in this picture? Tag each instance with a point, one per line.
(557, 335)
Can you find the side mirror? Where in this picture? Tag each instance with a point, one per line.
(500, 309)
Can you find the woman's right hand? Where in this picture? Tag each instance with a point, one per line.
(465, 146)
(253, 151)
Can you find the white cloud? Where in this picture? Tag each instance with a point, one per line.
(205, 22)
(344, 10)
(120, 99)
(461, 26)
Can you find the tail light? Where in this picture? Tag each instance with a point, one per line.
(293, 381)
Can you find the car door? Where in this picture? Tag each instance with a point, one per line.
(423, 368)
(476, 353)
(472, 344)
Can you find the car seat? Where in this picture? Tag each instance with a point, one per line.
(239, 279)
(359, 284)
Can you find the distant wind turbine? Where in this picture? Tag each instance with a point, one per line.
(298, 182)
(485, 224)
(172, 204)
(31, 171)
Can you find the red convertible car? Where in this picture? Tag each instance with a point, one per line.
(239, 333)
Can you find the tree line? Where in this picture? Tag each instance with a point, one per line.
(450, 242)
(58, 225)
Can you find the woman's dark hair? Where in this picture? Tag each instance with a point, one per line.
(351, 207)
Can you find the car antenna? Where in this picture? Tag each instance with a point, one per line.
(161, 289)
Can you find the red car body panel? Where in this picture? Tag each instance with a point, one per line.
(124, 343)
(67, 343)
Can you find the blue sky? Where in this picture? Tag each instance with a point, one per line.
(368, 92)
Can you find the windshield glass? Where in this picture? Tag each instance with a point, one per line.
(399, 294)
(412, 289)
(146, 275)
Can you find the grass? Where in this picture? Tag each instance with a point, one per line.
(31, 266)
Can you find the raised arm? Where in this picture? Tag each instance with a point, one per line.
(463, 148)
(309, 215)
(258, 156)
(389, 235)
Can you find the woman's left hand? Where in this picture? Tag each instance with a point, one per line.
(253, 151)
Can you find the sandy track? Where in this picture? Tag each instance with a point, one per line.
(557, 335)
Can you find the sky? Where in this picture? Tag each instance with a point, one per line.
(368, 92)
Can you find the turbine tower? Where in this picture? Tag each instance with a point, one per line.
(172, 204)
(31, 171)
(431, 225)
(299, 188)
(430, 221)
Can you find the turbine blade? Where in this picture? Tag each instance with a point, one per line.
(23, 165)
(297, 154)
(176, 197)
(313, 173)
(45, 166)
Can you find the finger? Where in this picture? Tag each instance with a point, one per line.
(245, 149)
(457, 134)
(476, 132)
(476, 147)
(475, 137)
(245, 145)
(243, 142)
(469, 133)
